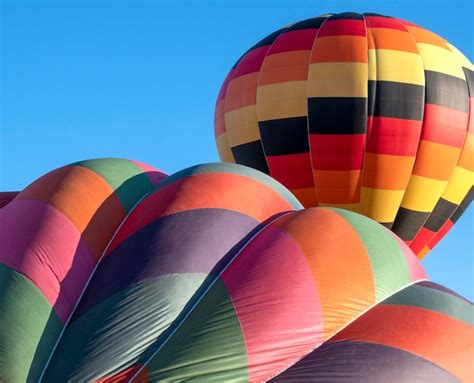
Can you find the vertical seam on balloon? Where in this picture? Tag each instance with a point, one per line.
(204, 293)
(256, 96)
(314, 282)
(87, 284)
(469, 93)
(223, 118)
(307, 105)
(368, 34)
(422, 121)
(349, 323)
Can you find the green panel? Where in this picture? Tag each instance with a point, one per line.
(434, 300)
(25, 344)
(386, 257)
(127, 179)
(207, 347)
(112, 335)
(239, 170)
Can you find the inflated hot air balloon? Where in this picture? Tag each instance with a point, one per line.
(111, 271)
(363, 112)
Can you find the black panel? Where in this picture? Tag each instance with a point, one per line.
(388, 225)
(440, 214)
(408, 223)
(313, 23)
(347, 16)
(284, 136)
(463, 205)
(399, 100)
(448, 91)
(469, 74)
(371, 95)
(268, 40)
(376, 14)
(251, 154)
(337, 115)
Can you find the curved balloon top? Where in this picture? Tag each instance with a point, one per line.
(359, 111)
(215, 273)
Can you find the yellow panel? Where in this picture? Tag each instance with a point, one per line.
(223, 148)
(242, 126)
(462, 60)
(372, 65)
(423, 193)
(459, 184)
(337, 80)
(380, 204)
(400, 66)
(438, 59)
(282, 100)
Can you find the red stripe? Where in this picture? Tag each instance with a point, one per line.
(421, 239)
(384, 22)
(393, 136)
(440, 233)
(444, 125)
(292, 170)
(345, 27)
(251, 62)
(294, 41)
(337, 151)
(223, 89)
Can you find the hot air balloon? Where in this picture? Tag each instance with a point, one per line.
(112, 271)
(358, 111)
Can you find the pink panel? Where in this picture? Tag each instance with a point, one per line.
(414, 266)
(41, 243)
(275, 297)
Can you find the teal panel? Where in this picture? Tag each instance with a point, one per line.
(435, 300)
(388, 262)
(129, 181)
(115, 333)
(25, 344)
(207, 347)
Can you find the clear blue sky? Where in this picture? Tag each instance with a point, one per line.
(138, 79)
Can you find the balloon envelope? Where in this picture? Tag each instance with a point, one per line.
(358, 111)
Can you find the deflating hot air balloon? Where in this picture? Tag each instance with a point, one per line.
(111, 271)
(363, 112)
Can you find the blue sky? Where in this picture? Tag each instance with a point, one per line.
(139, 79)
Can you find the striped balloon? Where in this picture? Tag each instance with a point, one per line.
(363, 112)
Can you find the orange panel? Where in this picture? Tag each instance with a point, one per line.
(241, 92)
(340, 186)
(335, 253)
(219, 121)
(386, 38)
(423, 36)
(283, 67)
(435, 160)
(307, 196)
(384, 171)
(340, 48)
(466, 160)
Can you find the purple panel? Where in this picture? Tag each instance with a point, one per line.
(359, 362)
(193, 241)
